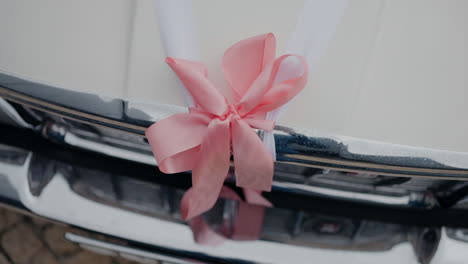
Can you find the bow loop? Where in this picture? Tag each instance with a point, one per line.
(177, 152)
(290, 77)
(278, 83)
(194, 76)
(244, 61)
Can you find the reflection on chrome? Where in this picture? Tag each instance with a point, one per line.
(146, 210)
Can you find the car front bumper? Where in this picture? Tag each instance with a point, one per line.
(81, 160)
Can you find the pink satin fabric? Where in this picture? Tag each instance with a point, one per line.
(203, 139)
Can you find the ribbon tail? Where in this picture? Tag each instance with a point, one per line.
(256, 197)
(209, 174)
(253, 163)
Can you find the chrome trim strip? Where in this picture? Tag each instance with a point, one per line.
(294, 147)
(10, 116)
(69, 113)
(403, 200)
(76, 141)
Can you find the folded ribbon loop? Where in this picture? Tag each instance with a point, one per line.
(203, 139)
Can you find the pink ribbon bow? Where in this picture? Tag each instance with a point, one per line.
(202, 140)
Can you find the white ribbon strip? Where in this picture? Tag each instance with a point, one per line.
(316, 25)
(177, 32)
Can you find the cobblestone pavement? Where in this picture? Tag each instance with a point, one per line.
(27, 240)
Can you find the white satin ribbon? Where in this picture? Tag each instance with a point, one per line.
(315, 27)
(177, 32)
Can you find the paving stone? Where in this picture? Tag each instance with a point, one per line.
(3, 224)
(12, 218)
(8, 218)
(3, 259)
(54, 237)
(44, 257)
(21, 243)
(87, 257)
(39, 222)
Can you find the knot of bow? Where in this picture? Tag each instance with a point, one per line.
(203, 139)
